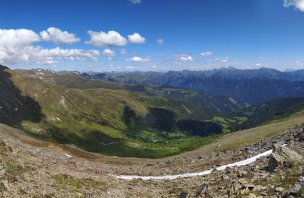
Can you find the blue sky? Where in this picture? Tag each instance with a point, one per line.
(105, 35)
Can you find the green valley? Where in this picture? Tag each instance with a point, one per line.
(122, 119)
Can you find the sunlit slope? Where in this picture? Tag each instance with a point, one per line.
(109, 121)
(250, 136)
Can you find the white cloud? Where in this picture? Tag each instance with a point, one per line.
(139, 59)
(184, 57)
(103, 39)
(300, 63)
(123, 51)
(160, 41)
(267, 58)
(39, 55)
(224, 60)
(207, 53)
(219, 60)
(130, 67)
(136, 38)
(17, 38)
(298, 4)
(57, 36)
(135, 1)
(16, 46)
(108, 53)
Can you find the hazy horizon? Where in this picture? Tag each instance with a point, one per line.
(160, 71)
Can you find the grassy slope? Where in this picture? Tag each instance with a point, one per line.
(203, 107)
(92, 118)
(273, 110)
(250, 136)
(99, 110)
(227, 141)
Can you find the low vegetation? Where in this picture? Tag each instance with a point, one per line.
(107, 118)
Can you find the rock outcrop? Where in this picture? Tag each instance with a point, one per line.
(283, 156)
(301, 137)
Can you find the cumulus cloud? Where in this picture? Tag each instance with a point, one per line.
(108, 53)
(136, 38)
(298, 4)
(135, 1)
(39, 55)
(184, 57)
(160, 41)
(139, 59)
(16, 46)
(50, 56)
(207, 53)
(58, 36)
(105, 39)
(17, 38)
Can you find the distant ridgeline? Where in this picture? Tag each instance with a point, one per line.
(248, 86)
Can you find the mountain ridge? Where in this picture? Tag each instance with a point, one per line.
(238, 84)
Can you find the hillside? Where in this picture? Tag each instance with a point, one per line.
(65, 171)
(61, 115)
(273, 110)
(223, 105)
(124, 119)
(104, 118)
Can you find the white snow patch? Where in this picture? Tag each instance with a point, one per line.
(186, 109)
(206, 172)
(69, 156)
(63, 103)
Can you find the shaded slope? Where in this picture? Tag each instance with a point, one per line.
(14, 106)
(274, 110)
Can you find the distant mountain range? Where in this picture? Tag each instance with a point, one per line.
(253, 86)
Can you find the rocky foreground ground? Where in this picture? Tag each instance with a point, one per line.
(30, 168)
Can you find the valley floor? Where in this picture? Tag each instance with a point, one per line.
(32, 168)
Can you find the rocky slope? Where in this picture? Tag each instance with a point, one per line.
(32, 168)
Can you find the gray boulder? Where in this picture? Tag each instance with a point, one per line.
(283, 157)
(301, 136)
